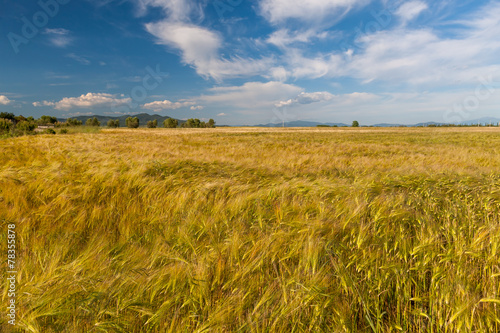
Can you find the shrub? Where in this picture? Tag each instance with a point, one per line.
(49, 131)
(25, 126)
(5, 125)
(63, 131)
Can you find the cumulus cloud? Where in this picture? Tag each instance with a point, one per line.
(167, 105)
(4, 100)
(306, 98)
(44, 103)
(88, 101)
(58, 37)
(197, 107)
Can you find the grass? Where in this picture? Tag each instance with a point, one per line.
(255, 230)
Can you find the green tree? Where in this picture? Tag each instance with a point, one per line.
(211, 123)
(152, 124)
(73, 122)
(93, 122)
(113, 123)
(171, 123)
(132, 122)
(8, 115)
(20, 118)
(355, 123)
(46, 120)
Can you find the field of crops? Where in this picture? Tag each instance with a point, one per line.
(254, 230)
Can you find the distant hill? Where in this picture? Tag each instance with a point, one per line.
(300, 123)
(482, 121)
(143, 119)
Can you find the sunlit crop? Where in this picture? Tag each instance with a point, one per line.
(255, 230)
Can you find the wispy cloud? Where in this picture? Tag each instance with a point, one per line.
(251, 95)
(201, 48)
(410, 10)
(80, 59)
(58, 37)
(311, 11)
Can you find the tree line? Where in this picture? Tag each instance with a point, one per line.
(133, 122)
(12, 125)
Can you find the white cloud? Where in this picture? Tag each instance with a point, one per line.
(200, 48)
(58, 37)
(221, 114)
(167, 105)
(330, 65)
(178, 10)
(278, 74)
(277, 11)
(421, 56)
(284, 37)
(80, 59)
(44, 103)
(88, 101)
(252, 95)
(307, 98)
(410, 10)
(4, 100)
(197, 107)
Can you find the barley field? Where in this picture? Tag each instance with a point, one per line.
(254, 230)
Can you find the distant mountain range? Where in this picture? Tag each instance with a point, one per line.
(145, 117)
(300, 123)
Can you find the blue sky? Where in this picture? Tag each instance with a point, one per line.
(250, 62)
